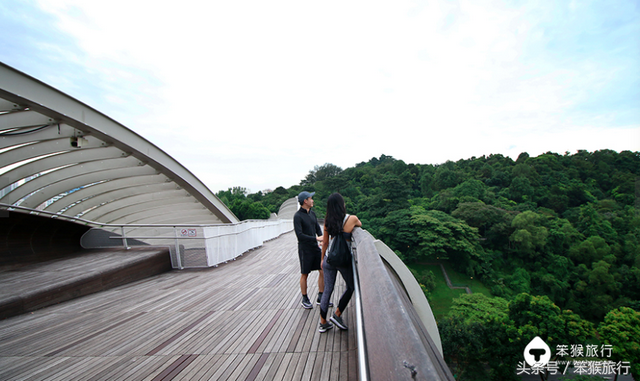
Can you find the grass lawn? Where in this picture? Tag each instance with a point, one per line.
(459, 279)
(441, 298)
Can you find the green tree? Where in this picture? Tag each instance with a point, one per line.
(479, 308)
(601, 287)
(528, 236)
(472, 190)
(321, 173)
(521, 189)
(520, 281)
(591, 250)
(476, 339)
(446, 177)
(463, 347)
(399, 233)
(531, 316)
(493, 223)
(621, 330)
(426, 279)
(443, 235)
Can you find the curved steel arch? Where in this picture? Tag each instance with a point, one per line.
(61, 155)
(88, 198)
(140, 203)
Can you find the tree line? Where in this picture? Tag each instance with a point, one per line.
(558, 231)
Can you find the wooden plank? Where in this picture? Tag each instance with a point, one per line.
(19, 367)
(243, 369)
(144, 368)
(288, 362)
(270, 367)
(298, 370)
(175, 368)
(318, 367)
(336, 369)
(228, 367)
(211, 365)
(240, 320)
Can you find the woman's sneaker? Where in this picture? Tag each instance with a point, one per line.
(320, 300)
(325, 327)
(337, 320)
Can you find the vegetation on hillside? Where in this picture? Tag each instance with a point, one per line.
(555, 238)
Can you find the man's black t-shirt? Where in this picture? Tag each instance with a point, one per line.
(307, 229)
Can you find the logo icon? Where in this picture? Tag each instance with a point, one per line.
(537, 353)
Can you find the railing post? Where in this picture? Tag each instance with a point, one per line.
(124, 238)
(177, 243)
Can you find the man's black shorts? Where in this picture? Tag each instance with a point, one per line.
(309, 260)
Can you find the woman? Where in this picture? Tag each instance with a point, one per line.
(337, 221)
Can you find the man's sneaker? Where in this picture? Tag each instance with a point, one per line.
(320, 299)
(325, 327)
(306, 303)
(337, 320)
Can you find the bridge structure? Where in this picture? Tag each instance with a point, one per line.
(116, 262)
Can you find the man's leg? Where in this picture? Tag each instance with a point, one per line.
(306, 303)
(320, 281)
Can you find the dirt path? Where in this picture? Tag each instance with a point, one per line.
(446, 278)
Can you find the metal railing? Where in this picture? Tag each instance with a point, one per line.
(363, 370)
(191, 245)
(396, 332)
(397, 335)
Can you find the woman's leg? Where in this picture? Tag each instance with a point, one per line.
(330, 274)
(347, 275)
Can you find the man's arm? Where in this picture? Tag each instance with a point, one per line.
(318, 230)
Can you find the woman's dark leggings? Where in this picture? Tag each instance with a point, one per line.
(330, 274)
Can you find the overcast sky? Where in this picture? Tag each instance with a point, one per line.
(257, 93)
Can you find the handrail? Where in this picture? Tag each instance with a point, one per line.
(363, 371)
(215, 244)
(397, 344)
(10, 207)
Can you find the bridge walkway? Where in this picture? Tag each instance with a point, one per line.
(240, 321)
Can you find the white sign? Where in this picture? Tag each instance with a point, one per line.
(188, 233)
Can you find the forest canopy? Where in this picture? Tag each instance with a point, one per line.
(570, 221)
(561, 230)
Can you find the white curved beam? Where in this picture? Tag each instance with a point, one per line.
(22, 119)
(57, 161)
(150, 216)
(139, 202)
(73, 177)
(41, 148)
(27, 105)
(52, 132)
(141, 210)
(44, 194)
(98, 194)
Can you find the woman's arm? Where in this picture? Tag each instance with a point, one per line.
(351, 223)
(325, 242)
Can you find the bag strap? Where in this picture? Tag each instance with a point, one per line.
(344, 222)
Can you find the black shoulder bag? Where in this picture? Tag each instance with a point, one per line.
(339, 253)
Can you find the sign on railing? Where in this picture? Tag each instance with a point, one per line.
(191, 246)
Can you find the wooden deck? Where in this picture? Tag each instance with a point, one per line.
(240, 321)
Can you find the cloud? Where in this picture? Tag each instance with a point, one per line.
(255, 94)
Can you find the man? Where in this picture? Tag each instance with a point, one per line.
(309, 235)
